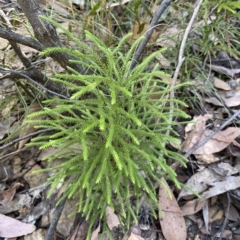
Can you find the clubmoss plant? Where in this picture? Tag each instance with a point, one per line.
(114, 115)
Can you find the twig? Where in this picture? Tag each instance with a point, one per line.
(5, 157)
(225, 220)
(205, 140)
(181, 56)
(12, 36)
(226, 215)
(24, 137)
(57, 214)
(14, 74)
(14, 45)
(138, 53)
(32, 70)
(46, 34)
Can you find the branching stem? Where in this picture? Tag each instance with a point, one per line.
(158, 14)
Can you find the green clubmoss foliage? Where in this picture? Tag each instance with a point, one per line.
(120, 127)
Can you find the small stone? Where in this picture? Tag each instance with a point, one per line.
(232, 83)
(35, 179)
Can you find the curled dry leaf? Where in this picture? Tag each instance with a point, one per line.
(7, 195)
(112, 219)
(205, 213)
(95, 233)
(195, 132)
(172, 223)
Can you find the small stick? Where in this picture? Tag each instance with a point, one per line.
(13, 73)
(226, 215)
(181, 57)
(138, 53)
(24, 137)
(57, 214)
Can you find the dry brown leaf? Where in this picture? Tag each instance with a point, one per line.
(206, 158)
(233, 150)
(235, 143)
(95, 233)
(215, 213)
(233, 214)
(219, 141)
(229, 183)
(227, 135)
(218, 83)
(196, 133)
(10, 227)
(169, 37)
(192, 207)
(233, 101)
(138, 32)
(20, 200)
(35, 180)
(205, 213)
(112, 219)
(80, 231)
(225, 169)
(135, 237)
(163, 61)
(228, 71)
(172, 223)
(199, 182)
(7, 195)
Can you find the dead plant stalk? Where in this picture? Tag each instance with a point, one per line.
(181, 56)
